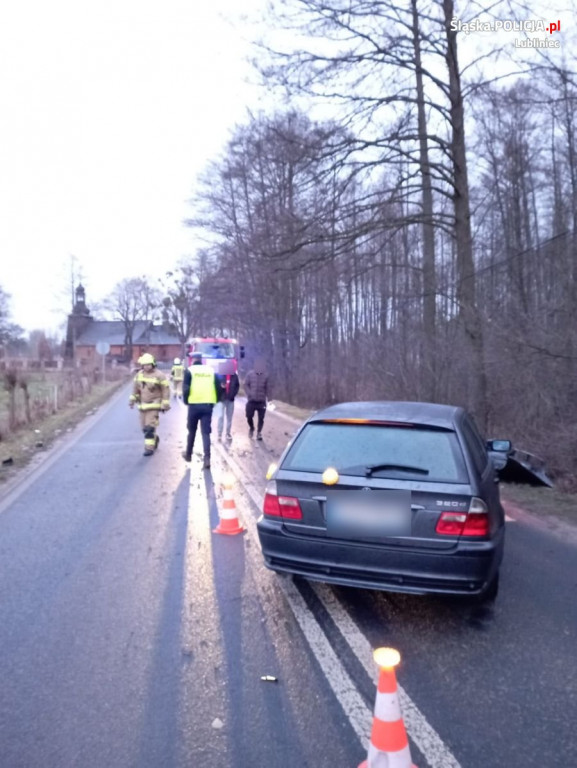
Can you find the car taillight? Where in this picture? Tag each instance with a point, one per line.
(451, 523)
(475, 522)
(286, 507)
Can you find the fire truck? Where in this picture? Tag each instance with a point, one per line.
(222, 354)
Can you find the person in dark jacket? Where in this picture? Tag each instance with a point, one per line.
(200, 390)
(230, 385)
(256, 387)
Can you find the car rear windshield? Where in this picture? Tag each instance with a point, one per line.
(352, 448)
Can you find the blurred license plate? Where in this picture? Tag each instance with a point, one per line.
(369, 514)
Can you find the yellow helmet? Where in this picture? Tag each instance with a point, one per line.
(146, 359)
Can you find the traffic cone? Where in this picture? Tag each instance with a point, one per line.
(229, 522)
(389, 747)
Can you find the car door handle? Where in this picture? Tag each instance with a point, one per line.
(417, 506)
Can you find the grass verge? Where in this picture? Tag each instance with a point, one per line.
(25, 445)
(301, 414)
(542, 501)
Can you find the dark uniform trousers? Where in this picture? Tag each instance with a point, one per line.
(199, 412)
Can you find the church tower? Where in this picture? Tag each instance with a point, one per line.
(78, 321)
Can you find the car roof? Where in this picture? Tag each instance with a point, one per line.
(433, 414)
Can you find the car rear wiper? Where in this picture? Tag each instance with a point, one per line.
(402, 467)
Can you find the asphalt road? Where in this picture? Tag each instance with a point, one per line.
(133, 636)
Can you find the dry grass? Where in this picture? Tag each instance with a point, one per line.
(542, 501)
(292, 410)
(23, 446)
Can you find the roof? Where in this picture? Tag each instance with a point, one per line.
(114, 332)
(434, 414)
(155, 334)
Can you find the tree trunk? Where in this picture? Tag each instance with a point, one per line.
(468, 311)
(429, 277)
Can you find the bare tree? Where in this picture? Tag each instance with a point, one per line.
(132, 300)
(181, 301)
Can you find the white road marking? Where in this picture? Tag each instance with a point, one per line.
(423, 735)
(354, 706)
(420, 731)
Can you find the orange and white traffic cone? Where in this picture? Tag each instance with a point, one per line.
(389, 747)
(229, 522)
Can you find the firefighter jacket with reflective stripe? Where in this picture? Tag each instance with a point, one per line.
(151, 391)
(200, 385)
(177, 372)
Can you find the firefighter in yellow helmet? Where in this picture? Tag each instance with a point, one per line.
(151, 392)
(176, 377)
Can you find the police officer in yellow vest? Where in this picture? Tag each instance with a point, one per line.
(201, 390)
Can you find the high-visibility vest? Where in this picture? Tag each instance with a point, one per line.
(177, 372)
(202, 385)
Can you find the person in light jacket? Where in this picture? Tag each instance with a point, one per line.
(230, 385)
(256, 387)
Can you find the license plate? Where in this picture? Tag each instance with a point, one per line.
(369, 514)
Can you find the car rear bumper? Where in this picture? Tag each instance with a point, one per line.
(466, 570)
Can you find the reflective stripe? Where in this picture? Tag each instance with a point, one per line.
(150, 380)
(150, 406)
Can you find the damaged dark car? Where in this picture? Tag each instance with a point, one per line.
(394, 496)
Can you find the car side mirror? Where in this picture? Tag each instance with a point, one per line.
(499, 446)
(499, 452)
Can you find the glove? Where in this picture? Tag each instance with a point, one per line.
(165, 407)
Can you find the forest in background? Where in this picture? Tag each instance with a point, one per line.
(421, 245)
(403, 227)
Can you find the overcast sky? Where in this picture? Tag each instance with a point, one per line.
(108, 110)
